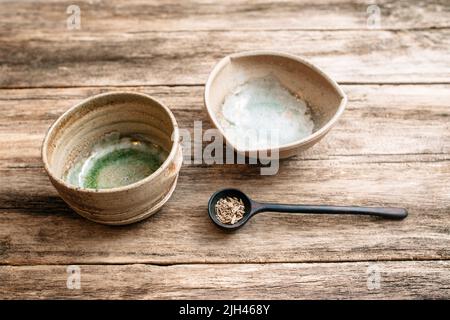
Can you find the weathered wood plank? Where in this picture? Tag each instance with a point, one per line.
(175, 58)
(36, 227)
(398, 280)
(172, 15)
(381, 120)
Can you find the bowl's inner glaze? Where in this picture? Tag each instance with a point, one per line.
(116, 161)
(262, 114)
(110, 141)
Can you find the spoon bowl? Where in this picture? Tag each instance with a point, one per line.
(252, 207)
(229, 193)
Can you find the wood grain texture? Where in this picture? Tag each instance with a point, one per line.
(38, 228)
(411, 120)
(173, 15)
(398, 280)
(391, 147)
(64, 59)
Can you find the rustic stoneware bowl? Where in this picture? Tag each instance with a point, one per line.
(325, 98)
(77, 130)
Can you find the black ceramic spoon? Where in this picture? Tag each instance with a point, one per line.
(253, 207)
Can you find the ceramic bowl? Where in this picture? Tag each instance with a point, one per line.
(325, 98)
(77, 130)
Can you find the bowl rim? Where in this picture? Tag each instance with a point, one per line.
(72, 110)
(287, 146)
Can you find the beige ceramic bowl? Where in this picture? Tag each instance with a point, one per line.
(83, 125)
(325, 98)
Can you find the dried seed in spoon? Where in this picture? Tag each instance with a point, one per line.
(230, 210)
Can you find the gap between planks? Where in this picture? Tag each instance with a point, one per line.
(409, 29)
(231, 262)
(329, 157)
(194, 85)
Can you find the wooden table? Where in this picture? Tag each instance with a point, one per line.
(390, 148)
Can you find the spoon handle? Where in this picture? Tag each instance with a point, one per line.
(389, 213)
